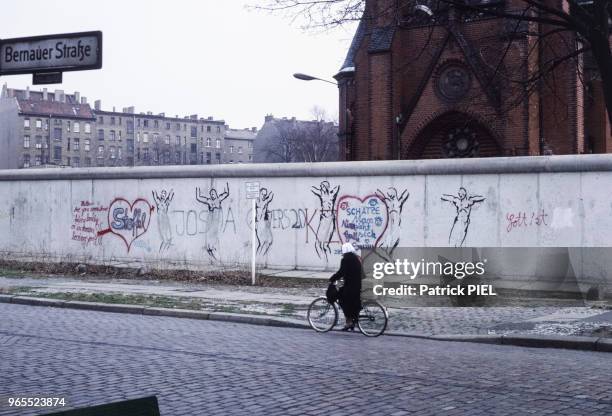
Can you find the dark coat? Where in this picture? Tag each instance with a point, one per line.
(350, 294)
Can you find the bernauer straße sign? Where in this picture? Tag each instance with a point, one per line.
(51, 53)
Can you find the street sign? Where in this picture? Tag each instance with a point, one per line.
(51, 53)
(252, 190)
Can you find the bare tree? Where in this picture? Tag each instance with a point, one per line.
(294, 140)
(565, 34)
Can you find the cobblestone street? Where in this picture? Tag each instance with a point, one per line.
(215, 368)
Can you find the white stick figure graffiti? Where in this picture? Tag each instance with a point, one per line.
(162, 202)
(327, 217)
(215, 218)
(463, 204)
(263, 223)
(395, 204)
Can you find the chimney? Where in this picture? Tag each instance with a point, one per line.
(59, 96)
(254, 129)
(113, 109)
(45, 94)
(193, 116)
(27, 93)
(98, 105)
(83, 100)
(162, 114)
(77, 97)
(210, 118)
(268, 117)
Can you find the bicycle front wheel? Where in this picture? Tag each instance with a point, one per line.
(322, 315)
(373, 319)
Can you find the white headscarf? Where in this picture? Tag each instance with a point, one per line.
(348, 248)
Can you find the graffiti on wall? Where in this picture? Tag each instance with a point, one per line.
(128, 220)
(395, 204)
(162, 203)
(463, 203)
(327, 217)
(263, 221)
(525, 219)
(361, 220)
(214, 221)
(87, 220)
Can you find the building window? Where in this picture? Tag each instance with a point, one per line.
(101, 120)
(146, 154)
(57, 152)
(138, 122)
(100, 151)
(156, 124)
(129, 127)
(57, 133)
(37, 160)
(208, 158)
(26, 161)
(77, 143)
(239, 149)
(112, 135)
(26, 123)
(119, 120)
(26, 142)
(119, 153)
(38, 123)
(194, 148)
(250, 158)
(218, 144)
(68, 126)
(178, 126)
(76, 162)
(218, 157)
(167, 139)
(194, 131)
(178, 157)
(119, 135)
(231, 149)
(68, 161)
(87, 161)
(112, 121)
(100, 134)
(111, 151)
(208, 142)
(146, 123)
(39, 142)
(145, 137)
(86, 145)
(76, 127)
(167, 126)
(208, 129)
(218, 129)
(68, 144)
(178, 140)
(250, 145)
(155, 137)
(87, 128)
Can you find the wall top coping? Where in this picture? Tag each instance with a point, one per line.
(522, 164)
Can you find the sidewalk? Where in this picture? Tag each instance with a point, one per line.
(291, 304)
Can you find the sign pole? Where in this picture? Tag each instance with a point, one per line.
(253, 241)
(252, 193)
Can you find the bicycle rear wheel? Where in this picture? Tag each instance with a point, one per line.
(373, 319)
(322, 315)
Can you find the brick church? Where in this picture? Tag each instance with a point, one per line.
(426, 80)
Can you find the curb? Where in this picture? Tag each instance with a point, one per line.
(153, 311)
(532, 341)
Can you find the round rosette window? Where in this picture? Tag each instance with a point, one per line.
(454, 82)
(461, 142)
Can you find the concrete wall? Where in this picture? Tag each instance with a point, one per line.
(112, 215)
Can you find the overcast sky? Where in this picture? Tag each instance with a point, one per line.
(210, 57)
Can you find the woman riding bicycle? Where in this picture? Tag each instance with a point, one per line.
(350, 294)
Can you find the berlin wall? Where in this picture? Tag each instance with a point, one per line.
(198, 217)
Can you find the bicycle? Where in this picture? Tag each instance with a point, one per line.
(373, 318)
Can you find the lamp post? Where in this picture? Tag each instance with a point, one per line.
(305, 77)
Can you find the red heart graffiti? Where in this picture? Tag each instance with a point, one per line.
(128, 220)
(362, 221)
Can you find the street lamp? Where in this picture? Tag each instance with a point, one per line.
(305, 77)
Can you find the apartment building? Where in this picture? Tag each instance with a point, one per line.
(44, 128)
